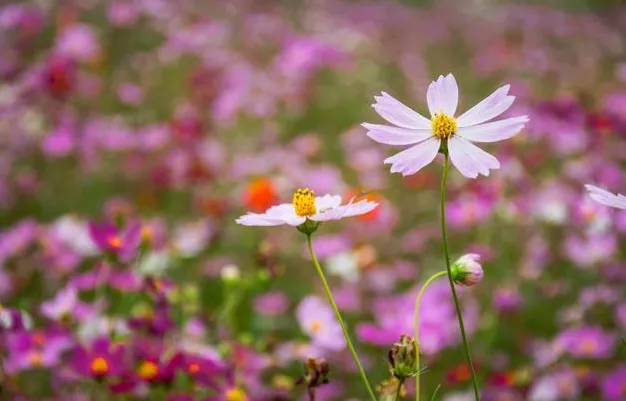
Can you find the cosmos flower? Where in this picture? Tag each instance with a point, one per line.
(443, 131)
(607, 198)
(307, 206)
(317, 320)
(100, 360)
(123, 243)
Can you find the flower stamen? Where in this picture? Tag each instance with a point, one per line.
(304, 202)
(99, 366)
(443, 126)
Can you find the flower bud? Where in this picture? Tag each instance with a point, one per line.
(467, 270)
(402, 358)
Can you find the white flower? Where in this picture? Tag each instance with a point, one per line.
(306, 206)
(443, 129)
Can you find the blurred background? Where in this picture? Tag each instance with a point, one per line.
(172, 118)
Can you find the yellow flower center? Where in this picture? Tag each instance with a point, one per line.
(148, 370)
(443, 126)
(588, 346)
(99, 366)
(193, 368)
(36, 359)
(304, 202)
(316, 326)
(236, 394)
(115, 242)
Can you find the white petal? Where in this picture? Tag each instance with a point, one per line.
(411, 160)
(396, 136)
(469, 159)
(327, 202)
(443, 95)
(490, 107)
(606, 198)
(274, 216)
(348, 210)
(253, 219)
(398, 113)
(495, 131)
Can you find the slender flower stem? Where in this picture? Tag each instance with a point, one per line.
(446, 255)
(399, 391)
(329, 294)
(418, 301)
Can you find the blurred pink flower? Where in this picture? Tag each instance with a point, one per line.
(78, 42)
(614, 385)
(455, 135)
(271, 304)
(589, 342)
(317, 320)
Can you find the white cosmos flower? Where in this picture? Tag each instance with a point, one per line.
(457, 134)
(307, 206)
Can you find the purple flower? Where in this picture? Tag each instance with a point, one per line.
(271, 304)
(102, 359)
(79, 43)
(122, 243)
(317, 320)
(590, 342)
(614, 385)
(443, 129)
(37, 349)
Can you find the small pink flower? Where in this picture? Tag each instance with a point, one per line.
(307, 206)
(443, 130)
(607, 198)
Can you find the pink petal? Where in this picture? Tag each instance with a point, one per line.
(411, 160)
(396, 136)
(398, 113)
(443, 95)
(469, 159)
(495, 131)
(606, 198)
(490, 107)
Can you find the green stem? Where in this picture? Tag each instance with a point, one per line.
(329, 294)
(399, 391)
(449, 270)
(418, 301)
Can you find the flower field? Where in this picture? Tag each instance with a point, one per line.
(255, 200)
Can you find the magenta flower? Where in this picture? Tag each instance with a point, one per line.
(307, 206)
(101, 360)
(443, 131)
(122, 243)
(317, 320)
(614, 385)
(607, 198)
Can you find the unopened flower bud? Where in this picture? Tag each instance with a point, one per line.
(402, 358)
(467, 270)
